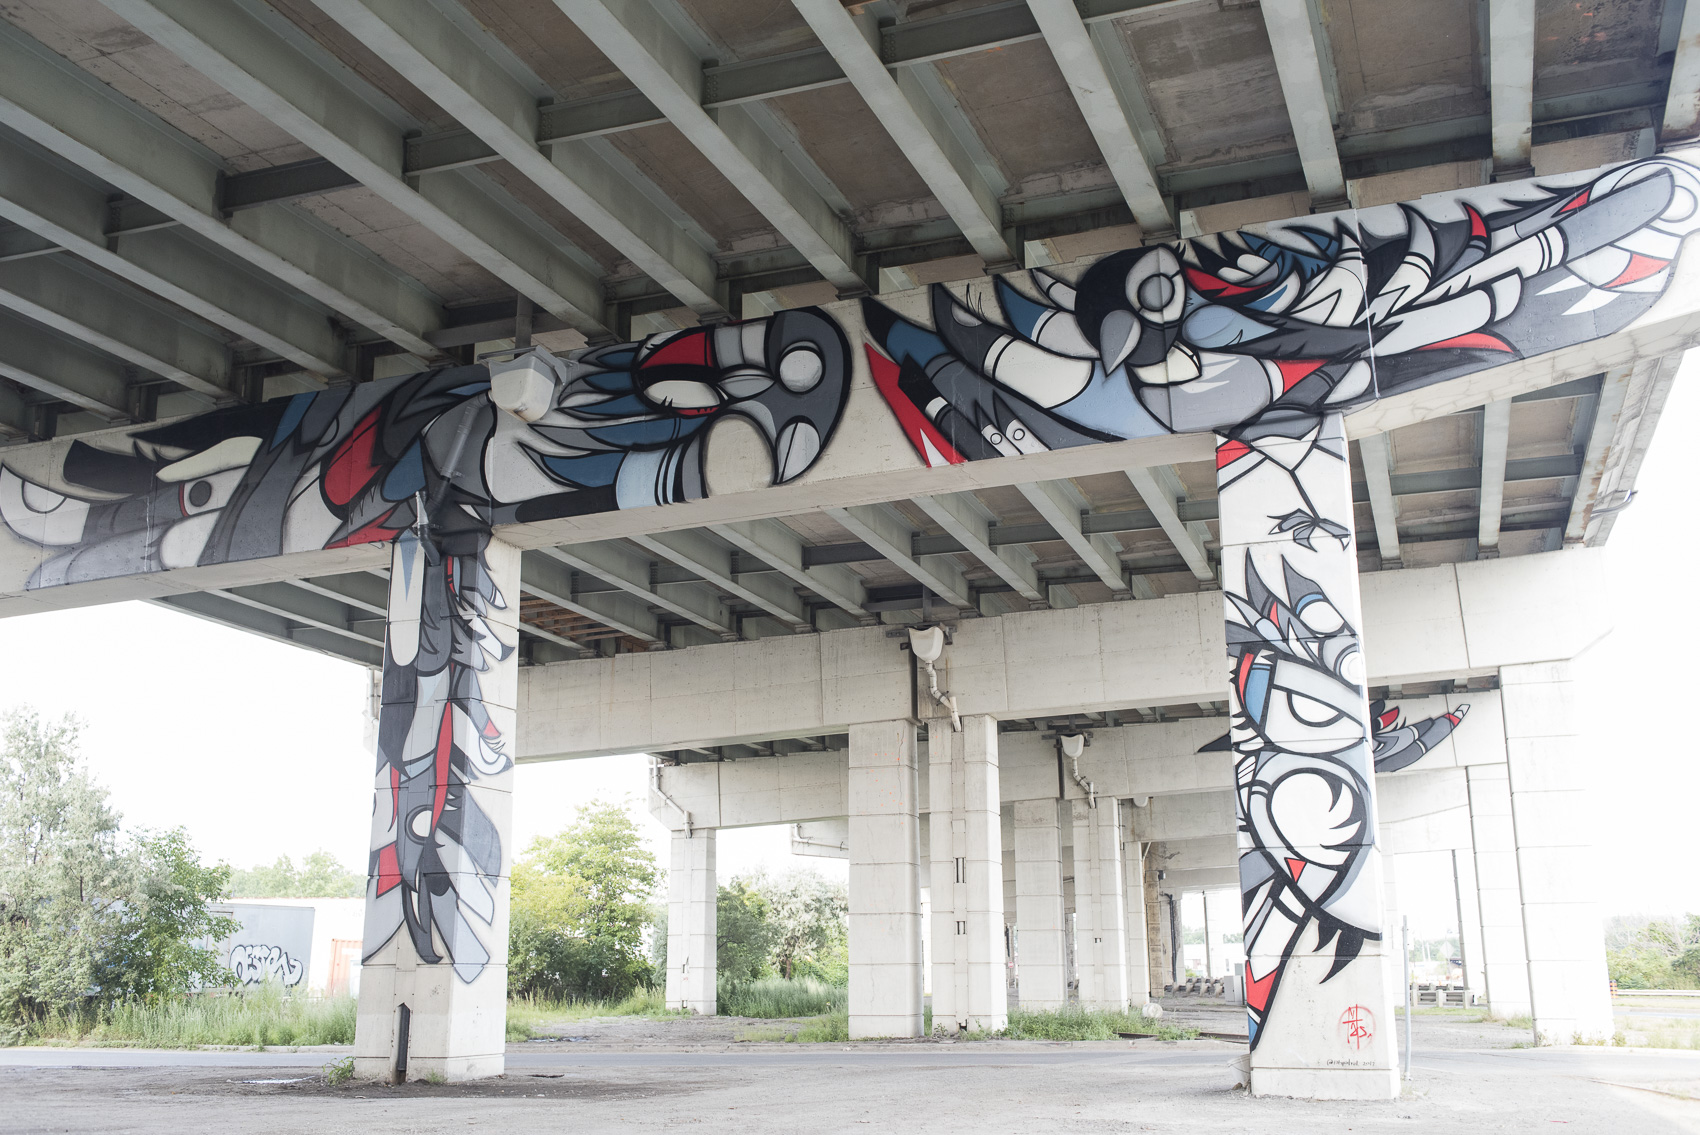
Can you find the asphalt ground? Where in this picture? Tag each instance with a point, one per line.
(1458, 1084)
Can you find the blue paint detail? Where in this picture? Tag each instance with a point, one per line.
(407, 476)
(1257, 692)
(471, 388)
(1214, 326)
(916, 344)
(407, 546)
(1251, 1028)
(615, 407)
(617, 359)
(292, 415)
(655, 431)
(591, 472)
(1024, 314)
(608, 381)
(1108, 404)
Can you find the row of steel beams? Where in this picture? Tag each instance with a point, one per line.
(271, 75)
(69, 213)
(59, 107)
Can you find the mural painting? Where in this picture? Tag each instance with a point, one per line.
(1263, 338)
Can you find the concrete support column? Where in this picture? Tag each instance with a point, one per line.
(1133, 906)
(434, 977)
(692, 930)
(967, 868)
(885, 885)
(1320, 1007)
(1041, 953)
(1504, 958)
(1550, 811)
(1099, 918)
(1469, 919)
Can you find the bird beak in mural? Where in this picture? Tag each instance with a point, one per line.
(39, 514)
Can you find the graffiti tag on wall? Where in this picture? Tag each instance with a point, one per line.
(257, 964)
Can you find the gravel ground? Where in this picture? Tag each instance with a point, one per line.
(634, 1075)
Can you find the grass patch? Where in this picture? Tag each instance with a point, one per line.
(774, 997)
(1659, 1032)
(526, 1015)
(255, 1018)
(1073, 1023)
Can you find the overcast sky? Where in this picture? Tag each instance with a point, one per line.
(256, 747)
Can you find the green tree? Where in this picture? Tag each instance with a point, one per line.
(808, 913)
(744, 930)
(580, 905)
(63, 878)
(320, 876)
(157, 950)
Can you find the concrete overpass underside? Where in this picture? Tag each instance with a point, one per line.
(658, 376)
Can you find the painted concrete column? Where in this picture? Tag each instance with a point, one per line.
(1041, 954)
(1551, 812)
(434, 977)
(692, 891)
(967, 869)
(1099, 919)
(885, 888)
(1499, 892)
(1133, 906)
(1321, 1011)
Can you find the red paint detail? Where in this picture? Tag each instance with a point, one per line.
(351, 467)
(1453, 718)
(694, 411)
(374, 533)
(490, 729)
(389, 869)
(1359, 1026)
(1205, 282)
(1388, 718)
(1640, 267)
(1478, 227)
(395, 791)
(690, 349)
(916, 426)
(1576, 202)
(1295, 868)
(445, 745)
(1229, 452)
(1475, 340)
(1292, 370)
(1244, 675)
(1258, 989)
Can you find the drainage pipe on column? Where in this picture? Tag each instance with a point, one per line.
(926, 644)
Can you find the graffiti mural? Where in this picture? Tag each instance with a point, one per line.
(1258, 334)
(255, 965)
(436, 859)
(1263, 338)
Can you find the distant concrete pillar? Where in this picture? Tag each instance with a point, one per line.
(1319, 1005)
(1505, 958)
(1551, 813)
(885, 887)
(434, 976)
(692, 929)
(1041, 957)
(967, 865)
(1099, 920)
(1469, 917)
(1133, 905)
